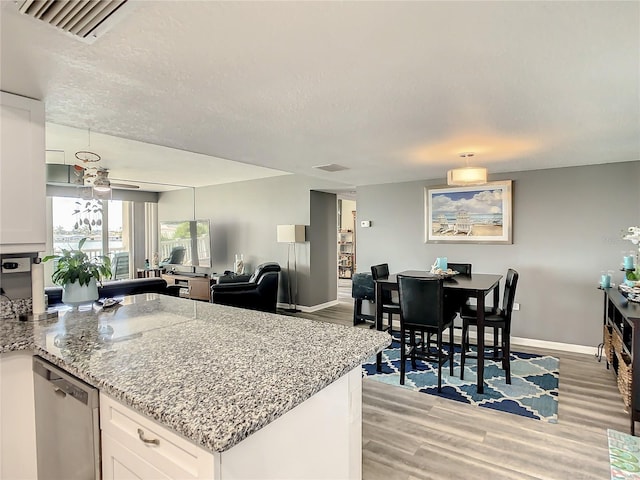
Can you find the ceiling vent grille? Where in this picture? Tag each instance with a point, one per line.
(85, 20)
(331, 167)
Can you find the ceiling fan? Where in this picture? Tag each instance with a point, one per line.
(101, 182)
(96, 176)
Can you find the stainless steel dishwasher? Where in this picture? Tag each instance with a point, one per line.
(67, 425)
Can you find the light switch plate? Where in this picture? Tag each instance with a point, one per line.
(365, 223)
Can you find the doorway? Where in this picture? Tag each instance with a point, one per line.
(346, 238)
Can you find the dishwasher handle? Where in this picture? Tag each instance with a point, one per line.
(59, 392)
(64, 384)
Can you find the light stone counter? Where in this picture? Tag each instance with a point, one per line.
(211, 373)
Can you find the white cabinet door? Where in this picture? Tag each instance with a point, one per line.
(120, 463)
(22, 175)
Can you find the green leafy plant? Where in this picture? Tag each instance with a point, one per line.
(633, 275)
(75, 265)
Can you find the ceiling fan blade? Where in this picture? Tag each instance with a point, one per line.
(124, 185)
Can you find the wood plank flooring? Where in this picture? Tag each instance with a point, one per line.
(409, 435)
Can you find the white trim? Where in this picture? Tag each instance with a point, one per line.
(312, 309)
(532, 342)
(564, 347)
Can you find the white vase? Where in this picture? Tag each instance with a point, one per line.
(75, 294)
(238, 265)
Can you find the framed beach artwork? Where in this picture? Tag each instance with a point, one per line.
(472, 214)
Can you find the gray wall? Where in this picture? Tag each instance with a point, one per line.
(322, 235)
(244, 216)
(567, 226)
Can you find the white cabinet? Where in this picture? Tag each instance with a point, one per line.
(17, 417)
(22, 175)
(321, 438)
(134, 446)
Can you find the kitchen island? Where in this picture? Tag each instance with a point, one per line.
(256, 394)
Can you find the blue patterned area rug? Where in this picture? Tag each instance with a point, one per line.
(533, 391)
(624, 455)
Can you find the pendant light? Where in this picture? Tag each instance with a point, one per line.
(467, 175)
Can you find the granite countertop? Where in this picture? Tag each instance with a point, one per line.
(212, 373)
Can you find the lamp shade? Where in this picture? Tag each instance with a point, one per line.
(291, 233)
(467, 176)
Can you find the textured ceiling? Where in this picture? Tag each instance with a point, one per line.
(391, 90)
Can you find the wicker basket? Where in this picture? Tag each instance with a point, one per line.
(624, 376)
(608, 347)
(616, 341)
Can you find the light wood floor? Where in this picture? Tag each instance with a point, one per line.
(410, 435)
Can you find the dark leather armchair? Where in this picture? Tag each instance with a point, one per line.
(260, 292)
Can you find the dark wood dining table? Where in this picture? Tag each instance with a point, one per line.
(477, 285)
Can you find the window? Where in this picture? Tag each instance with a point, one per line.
(108, 226)
(74, 219)
(103, 222)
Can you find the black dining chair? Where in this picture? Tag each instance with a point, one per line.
(461, 268)
(388, 306)
(497, 318)
(455, 298)
(362, 288)
(422, 309)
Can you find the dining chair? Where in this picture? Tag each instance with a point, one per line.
(457, 299)
(422, 309)
(388, 305)
(362, 288)
(497, 318)
(461, 268)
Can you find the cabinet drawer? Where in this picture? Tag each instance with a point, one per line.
(175, 456)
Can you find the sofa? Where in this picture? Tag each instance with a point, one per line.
(258, 292)
(116, 288)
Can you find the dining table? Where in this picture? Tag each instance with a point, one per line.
(477, 285)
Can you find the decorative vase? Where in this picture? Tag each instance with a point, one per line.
(238, 265)
(74, 294)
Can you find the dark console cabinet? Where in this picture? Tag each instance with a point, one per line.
(622, 348)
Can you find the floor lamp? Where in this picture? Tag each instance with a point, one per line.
(292, 234)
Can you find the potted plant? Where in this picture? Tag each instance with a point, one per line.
(78, 274)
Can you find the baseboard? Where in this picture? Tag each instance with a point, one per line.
(312, 309)
(564, 347)
(525, 342)
(532, 342)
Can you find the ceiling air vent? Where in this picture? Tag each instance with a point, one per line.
(85, 20)
(331, 167)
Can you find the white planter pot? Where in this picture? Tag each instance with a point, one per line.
(75, 294)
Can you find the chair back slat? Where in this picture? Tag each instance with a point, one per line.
(421, 300)
(461, 268)
(509, 296)
(378, 272)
